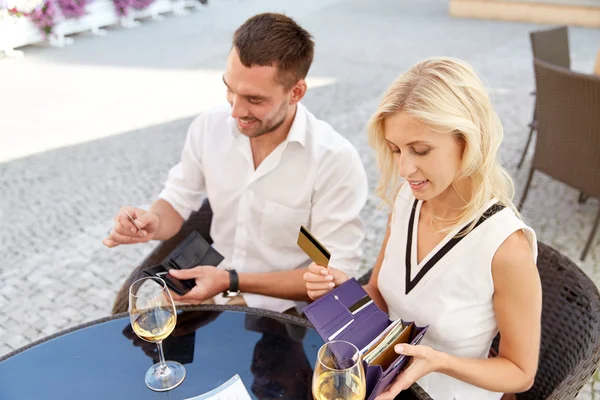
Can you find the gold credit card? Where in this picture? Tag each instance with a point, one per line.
(311, 246)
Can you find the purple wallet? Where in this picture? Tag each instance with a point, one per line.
(347, 313)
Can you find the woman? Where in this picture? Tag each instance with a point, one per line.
(436, 129)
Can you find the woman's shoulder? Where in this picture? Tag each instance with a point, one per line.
(514, 263)
(518, 242)
(502, 230)
(515, 227)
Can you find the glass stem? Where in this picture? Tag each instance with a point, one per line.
(163, 368)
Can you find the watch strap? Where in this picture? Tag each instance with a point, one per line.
(234, 284)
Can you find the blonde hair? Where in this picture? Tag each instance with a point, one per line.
(446, 95)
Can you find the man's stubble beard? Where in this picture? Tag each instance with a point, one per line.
(272, 127)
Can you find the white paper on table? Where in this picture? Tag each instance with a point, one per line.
(233, 389)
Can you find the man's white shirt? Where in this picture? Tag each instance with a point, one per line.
(314, 178)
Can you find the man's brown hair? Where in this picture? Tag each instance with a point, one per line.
(271, 39)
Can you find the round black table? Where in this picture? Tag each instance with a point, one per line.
(274, 354)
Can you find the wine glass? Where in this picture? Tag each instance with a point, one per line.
(339, 373)
(153, 318)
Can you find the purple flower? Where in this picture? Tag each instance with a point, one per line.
(122, 7)
(44, 17)
(72, 8)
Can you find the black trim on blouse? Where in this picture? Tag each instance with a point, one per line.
(410, 284)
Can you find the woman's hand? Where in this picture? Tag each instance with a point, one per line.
(320, 280)
(425, 360)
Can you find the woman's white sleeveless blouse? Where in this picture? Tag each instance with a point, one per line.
(454, 297)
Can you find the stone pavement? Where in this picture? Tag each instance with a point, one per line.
(89, 128)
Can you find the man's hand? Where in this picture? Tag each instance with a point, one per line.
(125, 232)
(210, 281)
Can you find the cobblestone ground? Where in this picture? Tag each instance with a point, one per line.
(61, 180)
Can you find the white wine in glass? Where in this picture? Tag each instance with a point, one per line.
(154, 325)
(339, 373)
(153, 318)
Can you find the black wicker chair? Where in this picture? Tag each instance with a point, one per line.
(570, 347)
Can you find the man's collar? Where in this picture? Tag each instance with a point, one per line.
(298, 129)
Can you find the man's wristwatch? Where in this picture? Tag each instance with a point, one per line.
(234, 287)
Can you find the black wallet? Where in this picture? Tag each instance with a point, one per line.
(194, 250)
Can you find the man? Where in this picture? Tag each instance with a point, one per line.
(267, 166)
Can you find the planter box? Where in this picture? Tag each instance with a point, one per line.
(99, 13)
(17, 32)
